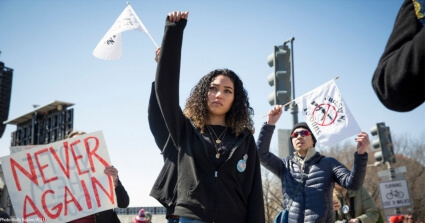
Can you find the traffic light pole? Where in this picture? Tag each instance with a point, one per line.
(293, 107)
(392, 177)
(386, 156)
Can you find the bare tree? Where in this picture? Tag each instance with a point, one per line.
(410, 153)
(272, 193)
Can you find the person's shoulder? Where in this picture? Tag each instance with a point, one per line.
(246, 133)
(318, 155)
(327, 159)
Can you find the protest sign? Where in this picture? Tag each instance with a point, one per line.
(16, 149)
(61, 181)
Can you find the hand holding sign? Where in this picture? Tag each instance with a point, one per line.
(61, 181)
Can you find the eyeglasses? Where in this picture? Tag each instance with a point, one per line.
(302, 133)
(409, 218)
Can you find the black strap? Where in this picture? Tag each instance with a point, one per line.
(303, 178)
(352, 211)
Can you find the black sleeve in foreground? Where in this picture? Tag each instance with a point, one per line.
(399, 79)
(168, 77)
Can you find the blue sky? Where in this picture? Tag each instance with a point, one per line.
(49, 43)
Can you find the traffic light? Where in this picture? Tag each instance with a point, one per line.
(383, 142)
(280, 78)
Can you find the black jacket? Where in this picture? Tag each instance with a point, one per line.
(165, 187)
(313, 202)
(204, 193)
(399, 79)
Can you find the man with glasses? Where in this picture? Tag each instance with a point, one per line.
(308, 176)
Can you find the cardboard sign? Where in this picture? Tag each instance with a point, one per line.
(61, 181)
(16, 149)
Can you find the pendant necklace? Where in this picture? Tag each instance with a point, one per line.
(218, 141)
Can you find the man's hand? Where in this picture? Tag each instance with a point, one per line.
(274, 114)
(363, 142)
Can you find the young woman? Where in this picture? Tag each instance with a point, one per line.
(219, 177)
(313, 201)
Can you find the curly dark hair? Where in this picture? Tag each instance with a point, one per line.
(237, 118)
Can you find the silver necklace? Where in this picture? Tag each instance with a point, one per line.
(218, 141)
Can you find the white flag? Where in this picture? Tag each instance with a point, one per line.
(109, 47)
(327, 114)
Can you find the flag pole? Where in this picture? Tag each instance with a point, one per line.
(140, 22)
(152, 40)
(148, 34)
(294, 99)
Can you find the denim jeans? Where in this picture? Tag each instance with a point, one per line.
(189, 220)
